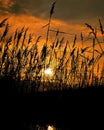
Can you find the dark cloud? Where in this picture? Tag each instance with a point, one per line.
(64, 10)
(79, 9)
(37, 8)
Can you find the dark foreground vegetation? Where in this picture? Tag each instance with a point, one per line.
(80, 108)
(72, 109)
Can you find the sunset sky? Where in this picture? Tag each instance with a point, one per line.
(69, 15)
(69, 12)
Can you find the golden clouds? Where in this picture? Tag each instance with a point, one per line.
(6, 3)
(35, 25)
(18, 21)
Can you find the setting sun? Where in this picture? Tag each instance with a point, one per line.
(48, 71)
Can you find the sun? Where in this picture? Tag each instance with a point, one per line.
(48, 71)
(51, 128)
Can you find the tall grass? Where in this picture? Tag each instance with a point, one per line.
(73, 66)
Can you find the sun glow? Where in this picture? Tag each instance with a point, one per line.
(48, 71)
(51, 128)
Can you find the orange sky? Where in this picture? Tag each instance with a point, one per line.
(35, 24)
(69, 16)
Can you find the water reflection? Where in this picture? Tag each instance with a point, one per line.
(46, 127)
(51, 128)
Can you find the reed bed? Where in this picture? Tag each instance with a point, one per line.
(72, 66)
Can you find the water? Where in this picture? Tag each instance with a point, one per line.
(55, 111)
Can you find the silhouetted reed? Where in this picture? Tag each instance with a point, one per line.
(73, 66)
